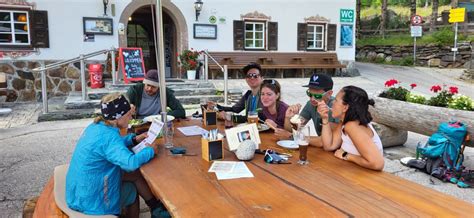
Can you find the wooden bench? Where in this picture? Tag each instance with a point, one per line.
(276, 60)
(46, 205)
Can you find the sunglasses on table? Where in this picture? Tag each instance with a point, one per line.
(252, 75)
(272, 156)
(315, 95)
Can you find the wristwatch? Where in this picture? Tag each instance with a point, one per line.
(345, 155)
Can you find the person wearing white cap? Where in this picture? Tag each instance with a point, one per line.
(146, 97)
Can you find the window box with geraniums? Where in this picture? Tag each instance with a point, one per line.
(188, 62)
(401, 108)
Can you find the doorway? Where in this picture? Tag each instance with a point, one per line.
(140, 34)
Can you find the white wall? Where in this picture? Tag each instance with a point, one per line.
(287, 13)
(66, 34)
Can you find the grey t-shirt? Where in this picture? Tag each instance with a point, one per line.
(310, 112)
(151, 105)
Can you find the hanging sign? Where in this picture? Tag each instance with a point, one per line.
(133, 67)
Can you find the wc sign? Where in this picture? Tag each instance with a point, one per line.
(347, 15)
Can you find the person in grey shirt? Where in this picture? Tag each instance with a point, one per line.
(319, 89)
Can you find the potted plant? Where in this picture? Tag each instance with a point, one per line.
(188, 62)
(401, 108)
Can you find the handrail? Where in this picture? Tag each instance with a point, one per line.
(223, 69)
(81, 58)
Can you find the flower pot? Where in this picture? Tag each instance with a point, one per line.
(419, 118)
(191, 74)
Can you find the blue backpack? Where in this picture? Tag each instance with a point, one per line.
(445, 145)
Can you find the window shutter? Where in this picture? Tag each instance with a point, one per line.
(39, 29)
(272, 36)
(302, 32)
(332, 33)
(239, 34)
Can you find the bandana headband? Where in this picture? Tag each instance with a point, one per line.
(115, 109)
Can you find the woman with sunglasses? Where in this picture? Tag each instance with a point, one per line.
(102, 177)
(274, 109)
(250, 101)
(354, 137)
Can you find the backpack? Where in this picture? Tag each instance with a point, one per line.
(443, 148)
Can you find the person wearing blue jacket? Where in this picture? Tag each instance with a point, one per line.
(103, 177)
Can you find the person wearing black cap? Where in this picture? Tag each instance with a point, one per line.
(250, 101)
(146, 97)
(319, 89)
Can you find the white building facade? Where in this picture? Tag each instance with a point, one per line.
(41, 31)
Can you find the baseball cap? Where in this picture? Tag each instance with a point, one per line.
(320, 81)
(151, 78)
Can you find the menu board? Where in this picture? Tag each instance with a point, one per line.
(133, 67)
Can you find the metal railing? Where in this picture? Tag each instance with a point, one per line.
(223, 69)
(81, 58)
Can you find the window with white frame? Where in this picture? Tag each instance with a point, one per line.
(14, 28)
(254, 35)
(315, 37)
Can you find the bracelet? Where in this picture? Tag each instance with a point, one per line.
(324, 122)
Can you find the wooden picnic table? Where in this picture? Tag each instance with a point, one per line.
(326, 187)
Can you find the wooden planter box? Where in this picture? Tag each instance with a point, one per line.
(422, 119)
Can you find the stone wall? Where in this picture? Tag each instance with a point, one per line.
(430, 55)
(24, 85)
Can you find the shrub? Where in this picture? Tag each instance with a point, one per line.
(394, 91)
(444, 36)
(461, 102)
(443, 97)
(415, 98)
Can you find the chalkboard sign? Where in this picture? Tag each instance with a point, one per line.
(133, 67)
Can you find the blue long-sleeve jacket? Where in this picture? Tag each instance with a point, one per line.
(94, 177)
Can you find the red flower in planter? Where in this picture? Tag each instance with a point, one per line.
(391, 82)
(413, 85)
(453, 90)
(435, 88)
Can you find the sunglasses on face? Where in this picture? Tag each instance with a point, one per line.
(316, 96)
(252, 75)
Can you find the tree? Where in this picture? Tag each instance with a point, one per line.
(434, 15)
(383, 18)
(358, 27)
(454, 3)
(412, 8)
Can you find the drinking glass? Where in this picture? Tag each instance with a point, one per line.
(302, 138)
(168, 132)
(252, 117)
(228, 120)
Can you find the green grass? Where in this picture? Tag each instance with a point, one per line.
(405, 39)
(403, 11)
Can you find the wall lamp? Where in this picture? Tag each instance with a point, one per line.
(106, 2)
(198, 7)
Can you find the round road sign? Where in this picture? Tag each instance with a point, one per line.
(416, 20)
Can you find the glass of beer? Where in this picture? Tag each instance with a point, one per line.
(302, 138)
(252, 117)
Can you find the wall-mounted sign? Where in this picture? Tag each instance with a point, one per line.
(347, 15)
(222, 20)
(212, 19)
(98, 25)
(205, 31)
(133, 67)
(347, 35)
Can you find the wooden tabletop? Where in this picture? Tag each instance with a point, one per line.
(326, 187)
